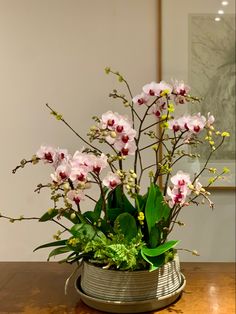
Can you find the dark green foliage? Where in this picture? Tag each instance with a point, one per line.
(157, 213)
(117, 199)
(126, 225)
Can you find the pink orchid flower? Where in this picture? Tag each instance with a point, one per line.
(111, 180)
(76, 196)
(62, 173)
(47, 153)
(140, 99)
(181, 179)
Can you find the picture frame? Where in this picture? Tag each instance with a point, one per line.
(198, 47)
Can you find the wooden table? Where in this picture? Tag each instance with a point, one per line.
(38, 288)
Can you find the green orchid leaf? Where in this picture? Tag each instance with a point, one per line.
(58, 251)
(55, 243)
(154, 237)
(141, 199)
(76, 228)
(91, 216)
(117, 199)
(68, 258)
(112, 213)
(126, 224)
(98, 207)
(160, 249)
(83, 230)
(48, 215)
(155, 262)
(104, 226)
(155, 209)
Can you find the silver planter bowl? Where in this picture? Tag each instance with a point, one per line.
(117, 291)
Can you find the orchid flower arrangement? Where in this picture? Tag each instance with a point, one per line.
(128, 229)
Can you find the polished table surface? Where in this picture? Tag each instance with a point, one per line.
(38, 288)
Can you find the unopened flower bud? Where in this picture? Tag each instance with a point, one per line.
(113, 134)
(66, 186)
(151, 174)
(50, 210)
(72, 216)
(107, 70)
(35, 159)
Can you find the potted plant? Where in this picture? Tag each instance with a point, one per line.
(123, 243)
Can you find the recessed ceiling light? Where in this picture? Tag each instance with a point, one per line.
(220, 12)
(224, 2)
(217, 19)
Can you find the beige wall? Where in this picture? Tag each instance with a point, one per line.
(55, 51)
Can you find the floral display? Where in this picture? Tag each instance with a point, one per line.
(129, 225)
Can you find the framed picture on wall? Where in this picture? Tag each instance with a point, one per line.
(198, 46)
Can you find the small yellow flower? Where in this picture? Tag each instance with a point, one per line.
(226, 170)
(211, 180)
(164, 92)
(213, 170)
(141, 218)
(225, 134)
(164, 125)
(154, 147)
(171, 108)
(73, 241)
